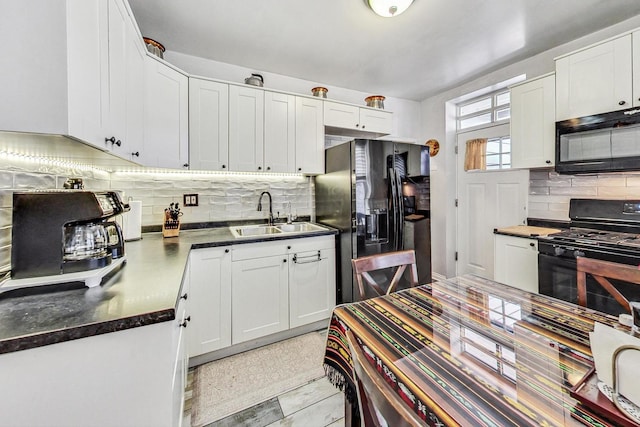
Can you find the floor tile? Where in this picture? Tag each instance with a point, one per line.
(306, 395)
(257, 416)
(320, 414)
(339, 423)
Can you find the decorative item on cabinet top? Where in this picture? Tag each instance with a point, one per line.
(434, 147)
(154, 47)
(255, 80)
(320, 92)
(375, 101)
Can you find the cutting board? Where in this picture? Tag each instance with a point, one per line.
(527, 231)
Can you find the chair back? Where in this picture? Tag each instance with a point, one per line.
(362, 267)
(601, 272)
(378, 403)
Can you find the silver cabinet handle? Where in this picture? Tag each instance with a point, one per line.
(307, 259)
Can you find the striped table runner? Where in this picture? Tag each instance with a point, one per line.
(471, 352)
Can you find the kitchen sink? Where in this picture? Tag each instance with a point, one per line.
(299, 227)
(270, 230)
(254, 230)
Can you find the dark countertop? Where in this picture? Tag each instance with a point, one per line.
(143, 292)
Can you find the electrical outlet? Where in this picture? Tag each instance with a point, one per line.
(190, 200)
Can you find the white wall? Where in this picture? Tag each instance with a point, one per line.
(406, 124)
(435, 119)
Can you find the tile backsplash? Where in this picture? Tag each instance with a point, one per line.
(221, 197)
(550, 192)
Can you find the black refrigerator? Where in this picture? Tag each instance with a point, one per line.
(377, 194)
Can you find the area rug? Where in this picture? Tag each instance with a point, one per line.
(226, 386)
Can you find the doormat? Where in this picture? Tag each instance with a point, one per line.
(226, 386)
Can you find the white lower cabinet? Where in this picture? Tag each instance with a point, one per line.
(259, 300)
(244, 292)
(210, 300)
(516, 262)
(133, 377)
(312, 291)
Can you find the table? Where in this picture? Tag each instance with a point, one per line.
(472, 352)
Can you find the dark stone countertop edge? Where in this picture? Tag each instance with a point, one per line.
(271, 238)
(25, 342)
(83, 331)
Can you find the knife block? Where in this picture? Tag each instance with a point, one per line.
(171, 228)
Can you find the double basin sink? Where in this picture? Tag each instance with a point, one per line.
(270, 230)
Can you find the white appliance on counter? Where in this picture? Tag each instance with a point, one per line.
(131, 222)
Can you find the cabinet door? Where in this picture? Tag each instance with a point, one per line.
(133, 142)
(341, 115)
(594, 80)
(246, 129)
(117, 75)
(166, 122)
(279, 132)
(209, 300)
(309, 148)
(208, 125)
(87, 60)
(259, 298)
(181, 361)
(377, 121)
(533, 123)
(636, 68)
(516, 262)
(312, 286)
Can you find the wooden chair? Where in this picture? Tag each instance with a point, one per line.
(362, 267)
(378, 403)
(601, 271)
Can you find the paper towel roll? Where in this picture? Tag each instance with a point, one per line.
(132, 222)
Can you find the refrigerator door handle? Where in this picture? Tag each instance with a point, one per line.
(394, 206)
(400, 207)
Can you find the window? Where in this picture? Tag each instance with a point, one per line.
(497, 356)
(499, 153)
(491, 108)
(488, 110)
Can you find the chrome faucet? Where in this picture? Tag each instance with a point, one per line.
(290, 215)
(270, 206)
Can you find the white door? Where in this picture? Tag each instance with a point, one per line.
(486, 200)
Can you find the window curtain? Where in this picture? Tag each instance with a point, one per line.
(475, 156)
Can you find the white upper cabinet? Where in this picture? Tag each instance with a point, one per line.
(309, 149)
(595, 80)
(126, 84)
(378, 121)
(88, 109)
(279, 132)
(533, 123)
(87, 83)
(246, 129)
(636, 68)
(166, 121)
(344, 116)
(208, 125)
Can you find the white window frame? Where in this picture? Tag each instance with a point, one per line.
(493, 96)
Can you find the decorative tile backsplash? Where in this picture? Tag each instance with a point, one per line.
(550, 192)
(221, 197)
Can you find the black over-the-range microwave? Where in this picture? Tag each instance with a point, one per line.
(608, 142)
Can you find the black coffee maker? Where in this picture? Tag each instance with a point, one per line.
(64, 231)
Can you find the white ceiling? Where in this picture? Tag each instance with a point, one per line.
(433, 46)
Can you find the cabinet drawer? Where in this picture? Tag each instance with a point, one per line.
(259, 250)
(311, 244)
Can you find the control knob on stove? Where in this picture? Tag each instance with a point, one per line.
(557, 250)
(578, 253)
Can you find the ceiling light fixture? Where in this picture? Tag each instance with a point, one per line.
(389, 8)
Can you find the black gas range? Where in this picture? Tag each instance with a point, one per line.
(600, 229)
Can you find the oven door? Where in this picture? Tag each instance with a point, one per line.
(557, 277)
